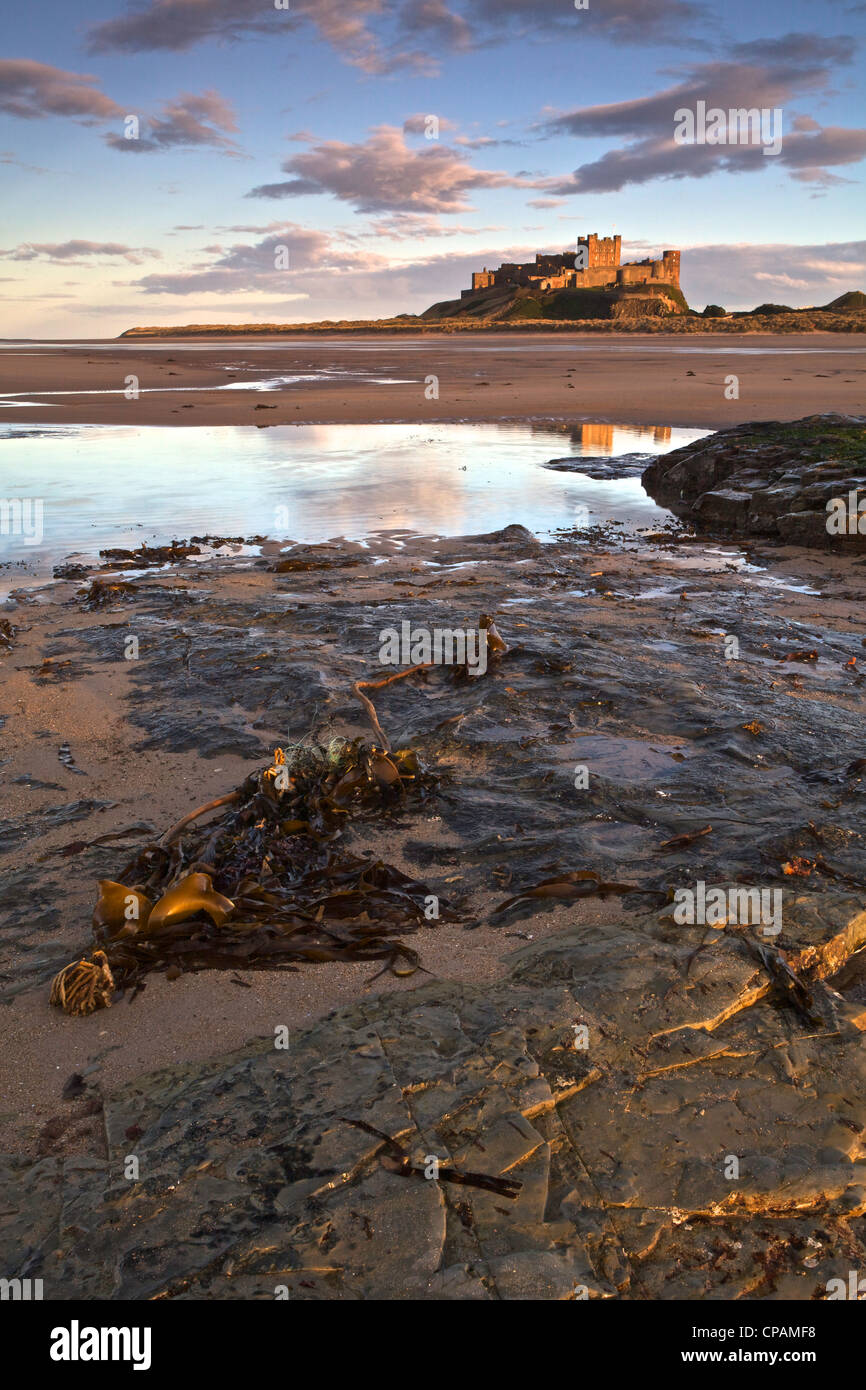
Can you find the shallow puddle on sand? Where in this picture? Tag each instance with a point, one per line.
(18, 399)
(105, 485)
(628, 760)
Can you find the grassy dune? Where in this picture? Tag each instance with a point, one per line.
(793, 321)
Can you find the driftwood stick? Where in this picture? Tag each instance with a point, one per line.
(359, 686)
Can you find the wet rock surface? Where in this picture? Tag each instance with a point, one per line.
(602, 467)
(772, 479)
(618, 1065)
(251, 1184)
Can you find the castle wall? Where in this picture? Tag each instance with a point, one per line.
(603, 269)
(596, 277)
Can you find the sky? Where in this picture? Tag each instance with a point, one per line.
(252, 161)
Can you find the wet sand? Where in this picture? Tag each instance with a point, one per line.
(236, 659)
(632, 380)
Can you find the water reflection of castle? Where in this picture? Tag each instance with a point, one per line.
(600, 437)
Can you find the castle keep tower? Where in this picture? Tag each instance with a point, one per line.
(602, 251)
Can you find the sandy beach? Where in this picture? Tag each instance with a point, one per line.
(630, 379)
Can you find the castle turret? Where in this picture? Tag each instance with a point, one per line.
(671, 261)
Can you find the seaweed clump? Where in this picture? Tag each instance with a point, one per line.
(265, 884)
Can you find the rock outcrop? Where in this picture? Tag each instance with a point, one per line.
(801, 482)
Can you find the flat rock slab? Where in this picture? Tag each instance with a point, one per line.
(704, 1143)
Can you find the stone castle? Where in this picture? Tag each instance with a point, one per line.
(599, 259)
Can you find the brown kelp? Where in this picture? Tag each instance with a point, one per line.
(264, 885)
(84, 985)
(7, 635)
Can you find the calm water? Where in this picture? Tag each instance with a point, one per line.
(106, 485)
(23, 346)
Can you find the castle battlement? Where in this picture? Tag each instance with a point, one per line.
(594, 264)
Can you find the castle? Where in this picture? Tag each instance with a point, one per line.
(600, 268)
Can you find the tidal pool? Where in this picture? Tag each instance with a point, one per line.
(105, 485)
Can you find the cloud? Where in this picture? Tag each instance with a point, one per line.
(34, 90)
(799, 48)
(179, 24)
(41, 298)
(418, 124)
(269, 265)
(796, 64)
(73, 252)
(188, 122)
(817, 177)
(617, 21)
(408, 226)
(380, 38)
(742, 276)
(434, 20)
(384, 175)
(803, 155)
(7, 157)
(786, 280)
(252, 228)
(76, 252)
(332, 271)
(176, 25)
(365, 284)
(724, 84)
(485, 142)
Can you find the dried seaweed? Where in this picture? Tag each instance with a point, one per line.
(264, 885)
(688, 837)
(102, 592)
(84, 985)
(77, 846)
(581, 883)
(145, 555)
(787, 986)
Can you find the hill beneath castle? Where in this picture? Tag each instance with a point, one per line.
(510, 304)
